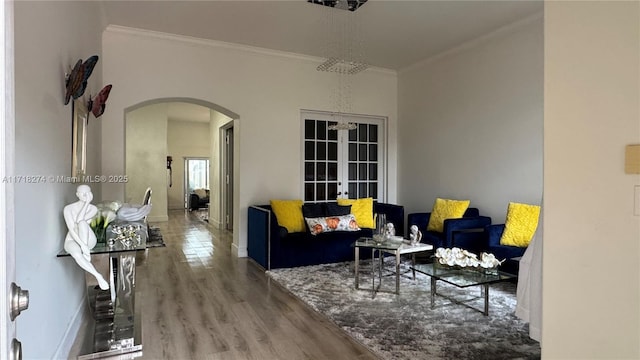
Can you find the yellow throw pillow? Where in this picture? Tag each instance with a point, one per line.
(446, 209)
(362, 209)
(521, 224)
(289, 214)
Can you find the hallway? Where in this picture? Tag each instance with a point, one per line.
(199, 302)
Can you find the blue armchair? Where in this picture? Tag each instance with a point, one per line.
(466, 232)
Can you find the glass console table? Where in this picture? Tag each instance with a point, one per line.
(116, 320)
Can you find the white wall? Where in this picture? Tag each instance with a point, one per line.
(591, 256)
(146, 158)
(49, 38)
(266, 89)
(470, 123)
(186, 139)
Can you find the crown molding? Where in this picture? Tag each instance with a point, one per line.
(117, 29)
(507, 29)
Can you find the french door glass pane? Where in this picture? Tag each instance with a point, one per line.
(353, 190)
(321, 193)
(309, 171)
(353, 171)
(353, 135)
(332, 190)
(309, 150)
(362, 172)
(353, 152)
(362, 149)
(373, 171)
(321, 174)
(362, 132)
(333, 135)
(332, 153)
(322, 130)
(309, 192)
(332, 171)
(373, 133)
(373, 152)
(362, 190)
(373, 190)
(309, 130)
(321, 150)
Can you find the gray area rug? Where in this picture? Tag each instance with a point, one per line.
(404, 326)
(155, 238)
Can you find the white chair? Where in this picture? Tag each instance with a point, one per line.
(147, 197)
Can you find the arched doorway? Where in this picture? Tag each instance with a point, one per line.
(180, 128)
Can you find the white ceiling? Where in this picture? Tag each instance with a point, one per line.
(394, 34)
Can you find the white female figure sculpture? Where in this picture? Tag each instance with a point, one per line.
(80, 239)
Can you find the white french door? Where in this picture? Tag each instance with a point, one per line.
(342, 163)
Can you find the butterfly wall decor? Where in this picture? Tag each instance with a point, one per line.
(98, 103)
(76, 81)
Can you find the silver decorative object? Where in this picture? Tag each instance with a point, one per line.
(128, 234)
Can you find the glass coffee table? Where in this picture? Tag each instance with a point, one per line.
(395, 246)
(462, 278)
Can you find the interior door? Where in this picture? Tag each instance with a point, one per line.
(342, 163)
(14, 300)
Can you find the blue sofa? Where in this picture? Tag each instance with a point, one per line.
(272, 246)
(466, 232)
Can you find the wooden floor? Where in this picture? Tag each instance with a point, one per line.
(200, 302)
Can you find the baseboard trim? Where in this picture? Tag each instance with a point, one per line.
(158, 218)
(237, 252)
(79, 321)
(216, 223)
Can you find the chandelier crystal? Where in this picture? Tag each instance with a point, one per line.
(343, 55)
(343, 126)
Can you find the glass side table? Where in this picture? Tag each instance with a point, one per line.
(376, 246)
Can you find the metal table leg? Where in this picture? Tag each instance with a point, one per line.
(397, 272)
(413, 265)
(433, 292)
(357, 269)
(373, 273)
(486, 299)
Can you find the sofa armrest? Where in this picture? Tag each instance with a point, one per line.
(472, 227)
(465, 223)
(259, 235)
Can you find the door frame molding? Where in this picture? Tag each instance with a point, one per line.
(225, 167)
